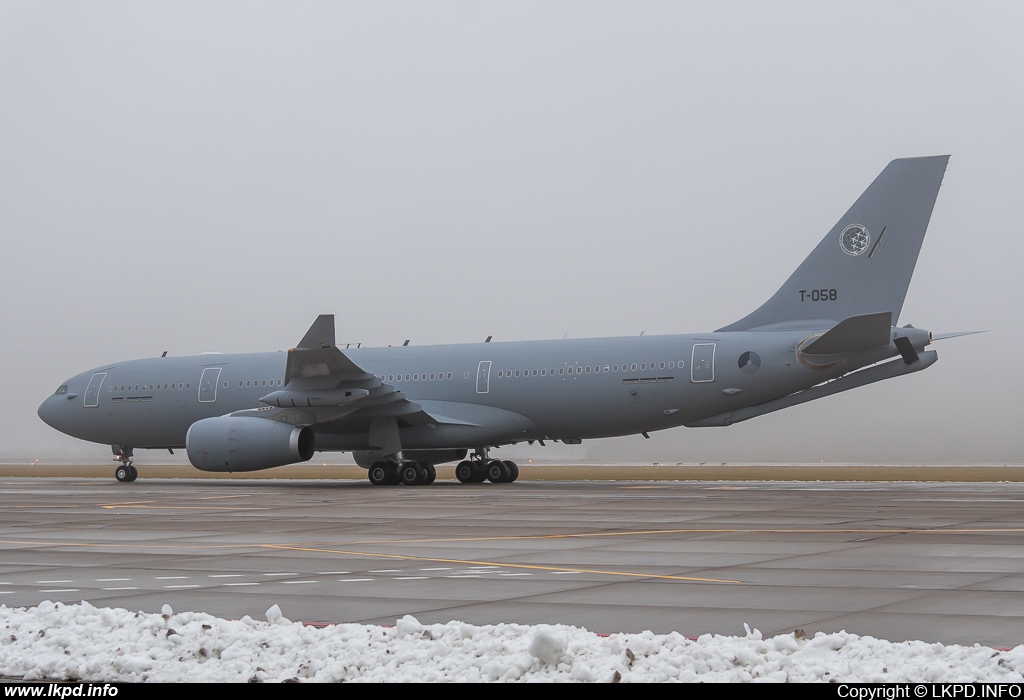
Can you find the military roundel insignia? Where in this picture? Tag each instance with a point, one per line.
(854, 239)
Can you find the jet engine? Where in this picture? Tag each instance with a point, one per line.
(246, 444)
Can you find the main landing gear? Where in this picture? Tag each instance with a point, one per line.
(408, 473)
(480, 468)
(476, 470)
(126, 472)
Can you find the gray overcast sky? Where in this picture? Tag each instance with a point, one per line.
(211, 176)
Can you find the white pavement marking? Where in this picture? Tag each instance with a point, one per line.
(59, 590)
(332, 573)
(61, 581)
(289, 582)
(386, 571)
(515, 574)
(241, 584)
(170, 578)
(353, 580)
(438, 568)
(410, 578)
(111, 580)
(122, 588)
(226, 575)
(288, 573)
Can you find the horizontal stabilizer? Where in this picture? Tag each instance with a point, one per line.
(852, 335)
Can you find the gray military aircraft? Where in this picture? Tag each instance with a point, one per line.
(402, 410)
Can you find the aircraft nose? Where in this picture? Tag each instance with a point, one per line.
(48, 411)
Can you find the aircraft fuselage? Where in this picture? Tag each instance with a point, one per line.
(559, 389)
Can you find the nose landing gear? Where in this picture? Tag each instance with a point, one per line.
(126, 472)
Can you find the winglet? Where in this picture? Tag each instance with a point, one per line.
(320, 334)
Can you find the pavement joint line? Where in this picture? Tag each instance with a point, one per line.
(698, 531)
(172, 507)
(534, 567)
(581, 535)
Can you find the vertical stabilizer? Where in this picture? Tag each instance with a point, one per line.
(864, 264)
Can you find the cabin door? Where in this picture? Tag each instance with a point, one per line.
(208, 385)
(483, 377)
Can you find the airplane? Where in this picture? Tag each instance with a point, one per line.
(402, 410)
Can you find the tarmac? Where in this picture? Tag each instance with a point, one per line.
(867, 549)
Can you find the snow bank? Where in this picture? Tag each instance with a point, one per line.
(82, 642)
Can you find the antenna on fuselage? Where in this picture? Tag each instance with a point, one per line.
(488, 338)
(405, 344)
(165, 354)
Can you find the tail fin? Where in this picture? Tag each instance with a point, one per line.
(864, 264)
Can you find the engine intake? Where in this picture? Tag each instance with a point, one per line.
(245, 444)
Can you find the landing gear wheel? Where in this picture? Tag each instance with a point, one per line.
(479, 473)
(513, 469)
(135, 473)
(431, 474)
(123, 474)
(496, 471)
(464, 472)
(412, 474)
(378, 474)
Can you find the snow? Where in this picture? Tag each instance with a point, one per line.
(82, 642)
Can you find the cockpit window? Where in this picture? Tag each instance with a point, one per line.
(63, 390)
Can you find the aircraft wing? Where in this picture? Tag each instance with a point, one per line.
(316, 358)
(323, 385)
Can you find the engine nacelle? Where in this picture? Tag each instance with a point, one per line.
(245, 444)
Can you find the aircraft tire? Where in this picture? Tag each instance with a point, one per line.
(496, 471)
(412, 474)
(431, 473)
(123, 474)
(464, 472)
(479, 473)
(135, 473)
(513, 469)
(378, 474)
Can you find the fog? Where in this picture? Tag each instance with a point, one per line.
(198, 177)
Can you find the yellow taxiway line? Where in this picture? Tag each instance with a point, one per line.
(503, 565)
